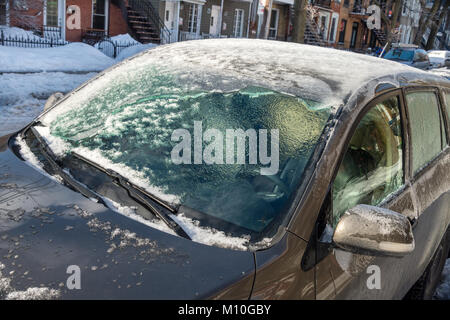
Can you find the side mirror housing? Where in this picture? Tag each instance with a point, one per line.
(54, 98)
(374, 231)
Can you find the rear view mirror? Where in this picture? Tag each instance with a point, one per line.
(374, 231)
(54, 98)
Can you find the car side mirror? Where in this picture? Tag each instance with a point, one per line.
(54, 98)
(374, 231)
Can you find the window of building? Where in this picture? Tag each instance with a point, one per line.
(193, 18)
(51, 13)
(3, 12)
(372, 167)
(99, 14)
(354, 35)
(426, 125)
(333, 29)
(342, 31)
(238, 23)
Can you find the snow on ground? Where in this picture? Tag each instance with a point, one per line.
(444, 72)
(14, 32)
(135, 48)
(124, 39)
(131, 51)
(22, 96)
(74, 57)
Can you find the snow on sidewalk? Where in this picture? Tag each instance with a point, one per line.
(22, 96)
(74, 57)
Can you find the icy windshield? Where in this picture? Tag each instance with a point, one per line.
(230, 149)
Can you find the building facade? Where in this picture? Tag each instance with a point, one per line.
(335, 23)
(146, 20)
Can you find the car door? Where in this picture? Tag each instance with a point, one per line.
(430, 164)
(374, 170)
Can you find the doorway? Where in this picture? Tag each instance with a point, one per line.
(214, 27)
(273, 27)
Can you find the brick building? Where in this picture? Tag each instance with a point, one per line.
(51, 16)
(146, 20)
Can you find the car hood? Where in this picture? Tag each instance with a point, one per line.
(48, 231)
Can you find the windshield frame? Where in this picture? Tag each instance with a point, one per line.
(277, 228)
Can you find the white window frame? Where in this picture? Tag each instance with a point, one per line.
(334, 16)
(277, 21)
(193, 23)
(106, 15)
(6, 14)
(58, 18)
(235, 23)
(61, 17)
(327, 16)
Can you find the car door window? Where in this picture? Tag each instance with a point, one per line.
(372, 167)
(426, 125)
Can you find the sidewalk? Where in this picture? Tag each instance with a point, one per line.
(22, 96)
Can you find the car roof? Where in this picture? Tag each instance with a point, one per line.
(299, 69)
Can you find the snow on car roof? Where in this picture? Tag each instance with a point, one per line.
(329, 74)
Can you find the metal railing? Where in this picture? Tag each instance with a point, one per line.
(146, 9)
(25, 42)
(50, 32)
(112, 49)
(186, 35)
(92, 36)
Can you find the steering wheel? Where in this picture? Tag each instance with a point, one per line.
(281, 188)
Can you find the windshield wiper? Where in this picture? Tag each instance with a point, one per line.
(55, 163)
(140, 195)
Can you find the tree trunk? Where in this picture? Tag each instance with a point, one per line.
(435, 25)
(394, 19)
(422, 19)
(299, 23)
(444, 37)
(423, 27)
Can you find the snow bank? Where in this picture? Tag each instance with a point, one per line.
(22, 96)
(74, 57)
(14, 32)
(443, 72)
(124, 39)
(131, 51)
(134, 46)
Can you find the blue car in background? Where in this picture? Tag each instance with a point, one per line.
(410, 55)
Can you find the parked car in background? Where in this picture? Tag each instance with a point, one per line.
(410, 55)
(362, 181)
(443, 72)
(439, 58)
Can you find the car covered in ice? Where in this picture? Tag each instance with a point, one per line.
(439, 58)
(231, 169)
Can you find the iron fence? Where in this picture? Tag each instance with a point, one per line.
(111, 48)
(27, 42)
(106, 45)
